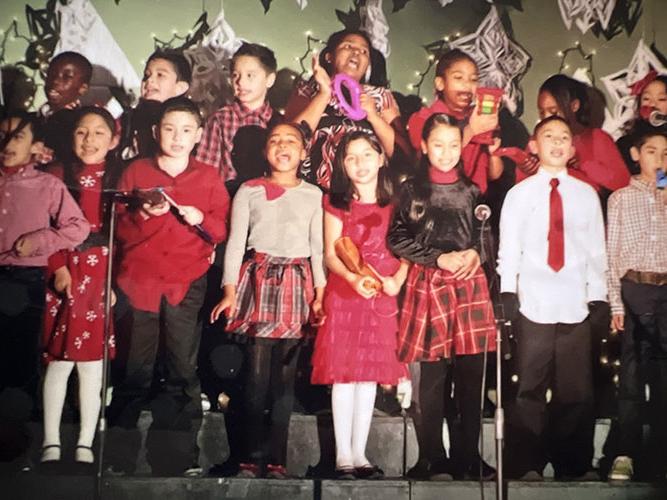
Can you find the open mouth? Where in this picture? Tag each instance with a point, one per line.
(53, 94)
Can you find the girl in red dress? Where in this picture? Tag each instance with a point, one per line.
(355, 348)
(74, 319)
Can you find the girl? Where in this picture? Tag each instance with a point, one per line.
(348, 52)
(74, 323)
(651, 92)
(456, 85)
(597, 161)
(447, 316)
(356, 347)
(277, 222)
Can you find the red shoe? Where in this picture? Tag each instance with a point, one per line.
(276, 472)
(248, 471)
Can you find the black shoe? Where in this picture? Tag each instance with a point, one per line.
(531, 476)
(369, 471)
(488, 472)
(420, 471)
(347, 473)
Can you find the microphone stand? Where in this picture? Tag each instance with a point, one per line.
(499, 414)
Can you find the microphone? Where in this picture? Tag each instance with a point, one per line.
(482, 212)
(657, 119)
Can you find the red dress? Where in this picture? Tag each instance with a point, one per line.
(74, 328)
(357, 342)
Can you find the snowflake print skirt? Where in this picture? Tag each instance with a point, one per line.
(74, 328)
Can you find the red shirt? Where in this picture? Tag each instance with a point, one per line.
(164, 255)
(475, 156)
(599, 162)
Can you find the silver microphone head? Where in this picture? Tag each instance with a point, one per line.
(482, 212)
(657, 119)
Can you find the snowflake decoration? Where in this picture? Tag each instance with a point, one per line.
(63, 328)
(78, 342)
(53, 311)
(75, 259)
(85, 335)
(585, 13)
(105, 251)
(374, 22)
(87, 181)
(49, 297)
(112, 341)
(99, 173)
(81, 287)
(92, 260)
(623, 105)
(87, 279)
(91, 316)
(501, 61)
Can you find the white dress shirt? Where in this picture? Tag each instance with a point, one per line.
(547, 296)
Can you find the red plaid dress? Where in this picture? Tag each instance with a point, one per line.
(443, 316)
(273, 297)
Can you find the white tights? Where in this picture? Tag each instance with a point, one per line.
(55, 389)
(352, 406)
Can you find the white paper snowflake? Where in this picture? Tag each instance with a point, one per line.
(501, 61)
(92, 260)
(87, 181)
(585, 13)
(302, 4)
(91, 316)
(623, 104)
(374, 22)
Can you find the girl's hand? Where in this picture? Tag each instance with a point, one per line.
(530, 165)
(482, 123)
(391, 112)
(321, 77)
(390, 286)
(62, 281)
(363, 285)
(228, 303)
(191, 215)
(317, 310)
(495, 146)
(368, 105)
(23, 247)
(452, 261)
(156, 210)
(471, 263)
(617, 322)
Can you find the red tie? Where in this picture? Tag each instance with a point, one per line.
(556, 258)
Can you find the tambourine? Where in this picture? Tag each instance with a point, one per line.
(353, 108)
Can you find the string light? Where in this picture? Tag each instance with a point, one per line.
(312, 44)
(586, 56)
(433, 49)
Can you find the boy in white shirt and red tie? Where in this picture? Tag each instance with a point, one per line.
(552, 265)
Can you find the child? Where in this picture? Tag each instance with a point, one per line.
(253, 72)
(67, 80)
(447, 315)
(637, 247)
(651, 92)
(38, 217)
(167, 74)
(74, 326)
(597, 160)
(456, 84)
(165, 246)
(348, 52)
(552, 254)
(277, 222)
(356, 347)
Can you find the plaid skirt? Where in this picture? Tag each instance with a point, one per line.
(273, 297)
(442, 316)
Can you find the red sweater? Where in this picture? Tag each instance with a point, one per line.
(164, 255)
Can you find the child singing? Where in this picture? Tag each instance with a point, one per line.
(74, 323)
(277, 224)
(447, 317)
(356, 347)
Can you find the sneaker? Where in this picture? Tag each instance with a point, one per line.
(193, 471)
(621, 470)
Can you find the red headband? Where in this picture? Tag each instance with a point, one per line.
(638, 87)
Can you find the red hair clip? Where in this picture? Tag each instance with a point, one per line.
(638, 87)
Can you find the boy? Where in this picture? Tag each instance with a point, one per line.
(67, 80)
(637, 247)
(167, 74)
(165, 245)
(253, 73)
(38, 217)
(552, 254)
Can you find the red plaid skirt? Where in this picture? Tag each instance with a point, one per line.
(442, 316)
(273, 297)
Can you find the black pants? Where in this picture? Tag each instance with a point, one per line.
(643, 361)
(463, 421)
(176, 411)
(22, 295)
(557, 357)
(269, 388)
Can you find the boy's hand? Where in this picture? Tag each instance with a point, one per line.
(451, 261)
(24, 247)
(156, 210)
(480, 124)
(617, 322)
(228, 303)
(191, 215)
(321, 77)
(317, 310)
(62, 281)
(471, 263)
